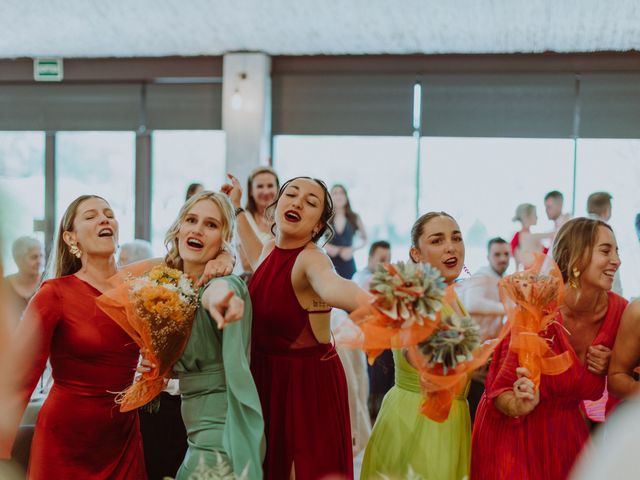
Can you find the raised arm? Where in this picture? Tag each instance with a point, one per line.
(29, 350)
(250, 242)
(626, 354)
(331, 287)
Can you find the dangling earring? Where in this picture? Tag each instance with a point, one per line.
(75, 251)
(574, 280)
(466, 270)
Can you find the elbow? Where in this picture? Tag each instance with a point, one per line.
(621, 385)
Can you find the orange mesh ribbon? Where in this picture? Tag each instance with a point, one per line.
(531, 299)
(375, 327)
(440, 389)
(169, 331)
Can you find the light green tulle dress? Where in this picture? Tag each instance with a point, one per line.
(403, 438)
(220, 404)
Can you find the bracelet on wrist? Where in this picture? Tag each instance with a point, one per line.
(238, 211)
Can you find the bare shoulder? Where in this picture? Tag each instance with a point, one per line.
(267, 248)
(313, 253)
(632, 311)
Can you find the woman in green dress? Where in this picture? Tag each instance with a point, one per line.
(220, 404)
(402, 439)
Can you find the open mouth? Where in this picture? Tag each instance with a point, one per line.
(292, 216)
(610, 274)
(451, 262)
(105, 232)
(194, 243)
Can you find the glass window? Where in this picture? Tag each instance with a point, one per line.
(179, 159)
(98, 163)
(21, 189)
(481, 181)
(613, 165)
(378, 173)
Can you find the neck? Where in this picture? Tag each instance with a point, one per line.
(582, 300)
(98, 268)
(260, 211)
(194, 270)
(289, 243)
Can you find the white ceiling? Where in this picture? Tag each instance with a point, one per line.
(125, 28)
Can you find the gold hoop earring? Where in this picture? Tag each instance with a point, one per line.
(75, 251)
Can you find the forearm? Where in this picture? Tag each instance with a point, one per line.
(250, 242)
(622, 385)
(483, 306)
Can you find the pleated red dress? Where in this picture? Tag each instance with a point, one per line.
(301, 382)
(544, 444)
(79, 433)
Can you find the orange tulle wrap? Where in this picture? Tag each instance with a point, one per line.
(155, 305)
(401, 313)
(443, 378)
(531, 299)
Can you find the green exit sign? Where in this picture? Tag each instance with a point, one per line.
(47, 69)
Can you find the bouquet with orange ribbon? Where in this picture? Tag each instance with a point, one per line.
(446, 358)
(531, 300)
(406, 298)
(156, 307)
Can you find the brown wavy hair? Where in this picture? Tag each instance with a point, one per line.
(251, 203)
(327, 212)
(352, 217)
(172, 258)
(62, 262)
(574, 244)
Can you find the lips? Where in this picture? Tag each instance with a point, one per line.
(194, 243)
(451, 262)
(292, 216)
(610, 273)
(105, 232)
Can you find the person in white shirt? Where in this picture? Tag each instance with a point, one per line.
(481, 297)
(599, 208)
(553, 202)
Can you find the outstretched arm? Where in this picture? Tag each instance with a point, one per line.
(222, 303)
(331, 287)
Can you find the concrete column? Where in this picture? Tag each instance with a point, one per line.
(246, 111)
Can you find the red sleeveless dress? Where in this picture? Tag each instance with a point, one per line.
(301, 382)
(544, 444)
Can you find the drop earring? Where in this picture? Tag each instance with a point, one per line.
(574, 279)
(75, 251)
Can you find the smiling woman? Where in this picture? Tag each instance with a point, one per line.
(79, 433)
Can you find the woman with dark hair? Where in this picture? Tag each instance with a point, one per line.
(538, 434)
(346, 224)
(402, 439)
(79, 432)
(298, 373)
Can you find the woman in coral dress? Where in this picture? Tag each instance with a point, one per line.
(403, 439)
(526, 435)
(79, 434)
(298, 373)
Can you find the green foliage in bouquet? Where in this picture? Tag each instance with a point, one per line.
(408, 292)
(452, 343)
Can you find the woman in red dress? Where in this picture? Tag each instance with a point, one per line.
(79, 434)
(526, 435)
(297, 371)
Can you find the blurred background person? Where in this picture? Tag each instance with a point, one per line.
(28, 254)
(192, 189)
(262, 187)
(599, 207)
(481, 296)
(553, 203)
(381, 373)
(346, 224)
(134, 251)
(524, 243)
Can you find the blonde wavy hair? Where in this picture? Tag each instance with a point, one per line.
(173, 259)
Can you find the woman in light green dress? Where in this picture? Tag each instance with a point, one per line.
(403, 440)
(220, 404)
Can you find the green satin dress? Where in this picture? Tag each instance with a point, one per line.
(403, 438)
(220, 404)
